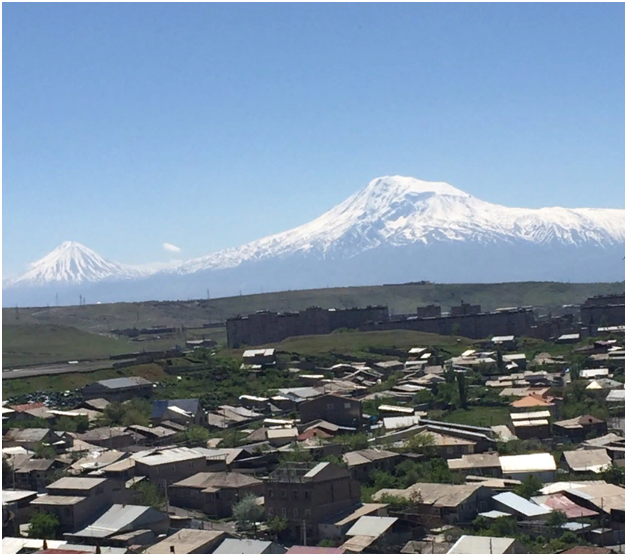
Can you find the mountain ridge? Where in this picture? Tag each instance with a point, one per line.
(394, 221)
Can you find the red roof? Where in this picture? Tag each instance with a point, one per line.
(318, 433)
(564, 504)
(28, 406)
(314, 550)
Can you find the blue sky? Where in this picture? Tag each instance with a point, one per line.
(209, 125)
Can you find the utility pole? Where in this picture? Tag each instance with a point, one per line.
(57, 298)
(17, 313)
(304, 533)
(208, 294)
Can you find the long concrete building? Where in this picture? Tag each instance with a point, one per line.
(265, 327)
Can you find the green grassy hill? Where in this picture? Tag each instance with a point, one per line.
(399, 298)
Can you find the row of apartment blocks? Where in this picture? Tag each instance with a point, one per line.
(265, 327)
(464, 320)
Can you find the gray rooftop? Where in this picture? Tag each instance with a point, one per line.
(125, 382)
(244, 546)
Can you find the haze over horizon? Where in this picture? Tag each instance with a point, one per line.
(158, 132)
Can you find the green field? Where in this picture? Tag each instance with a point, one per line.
(369, 345)
(479, 416)
(36, 343)
(71, 381)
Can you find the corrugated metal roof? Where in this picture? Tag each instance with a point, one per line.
(531, 423)
(372, 526)
(116, 518)
(531, 415)
(9, 496)
(159, 457)
(470, 544)
(242, 546)
(520, 505)
(76, 483)
(594, 461)
(125, 382)
(185, 541)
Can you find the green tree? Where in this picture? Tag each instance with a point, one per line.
(247, 512)
(555, 521)
(420, 443)
(500, 364)
(43, 525)
(149, 495)
(276, 525)
(463, 390)
(529, 487)
(72, 424)
(44, 451)
(197, 435)
(615, 475)
(328, 543)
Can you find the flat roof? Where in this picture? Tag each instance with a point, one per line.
(471, 544)
(52, 500)
(528, 463)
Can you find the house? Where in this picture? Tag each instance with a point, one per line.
(361, 463)
(248, 546)
(542, 466)
(471, 544)
(115, 438)
(182, 411)
(594, 373)
(119, 389)
(204, 343)
(189, 541)
(586, 461)
(560, 502)
(167, 466)
(568, 339)
(153, 436)
(75, 500)
(336, 526)
(214, 493)
(602, 497)
(35, 474)
(438, 504)
(119, 520)
(534, 402)
(519, 359)
(29, 439)
(487, 464)
(305, 494)
(533, 424)
(376, 534)
(504, 341)
(335, 409)
(616, 397)
(518, 506)
(388, 367)
(18, 502)
(578, 428)
(259, 356)
(95, 461)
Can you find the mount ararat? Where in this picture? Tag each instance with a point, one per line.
(396, 229)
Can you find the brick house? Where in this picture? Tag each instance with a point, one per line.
(214, 493)
(338, 410)
(306, 494)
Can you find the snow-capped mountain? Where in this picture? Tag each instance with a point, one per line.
(71, 263)
(400, 211)
(396, 229)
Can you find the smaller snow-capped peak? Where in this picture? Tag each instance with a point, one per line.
(72, 263)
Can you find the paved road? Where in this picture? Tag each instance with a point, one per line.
(62, 368)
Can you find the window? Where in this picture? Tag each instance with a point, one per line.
(218, 495)
(307, 513)
(307, 495)
(283, 493)
(295, 512)
(295, 495)
(270, 493)
(270, 512)
(283, 512)
(347, 405)
(329, 406)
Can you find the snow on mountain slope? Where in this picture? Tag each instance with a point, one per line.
(72, 263)
(399, 211)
